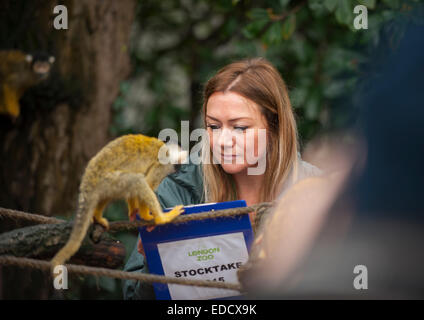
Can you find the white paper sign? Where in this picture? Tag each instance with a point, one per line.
(215, 258)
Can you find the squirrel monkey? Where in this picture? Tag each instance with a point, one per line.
(130, 167)
(18, 72)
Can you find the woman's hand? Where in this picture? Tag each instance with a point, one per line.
(140, 248)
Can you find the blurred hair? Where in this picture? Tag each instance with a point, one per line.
(257, 80)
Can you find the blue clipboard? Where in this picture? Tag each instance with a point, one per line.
(191, 230)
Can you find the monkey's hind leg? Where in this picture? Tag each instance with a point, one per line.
(152, 203)
(132, 207)
(130, 185)
(98, 214)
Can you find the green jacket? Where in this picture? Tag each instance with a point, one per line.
(183, 187)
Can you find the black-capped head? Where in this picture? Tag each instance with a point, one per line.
(40, 63)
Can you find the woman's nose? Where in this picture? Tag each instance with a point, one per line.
(225, 138)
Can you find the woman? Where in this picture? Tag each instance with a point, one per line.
(251, 152)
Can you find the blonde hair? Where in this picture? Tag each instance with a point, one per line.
(255, 79)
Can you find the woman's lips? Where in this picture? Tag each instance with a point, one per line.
(229, 158)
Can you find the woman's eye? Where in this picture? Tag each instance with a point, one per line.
(213, 126)
(240, 128)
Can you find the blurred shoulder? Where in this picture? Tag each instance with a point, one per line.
(303, 170)
(307, 169)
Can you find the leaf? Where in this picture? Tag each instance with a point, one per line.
(301, 49)
(284, 3)
(316, 6)
(289, 26)
(344, 12)
(273, 34)
(370, 4)
(253, 28)
(258, 14)
(331, 4)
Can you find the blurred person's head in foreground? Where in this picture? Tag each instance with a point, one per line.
(357, 231)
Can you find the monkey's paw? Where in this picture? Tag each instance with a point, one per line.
(103, 222)
(169, 216)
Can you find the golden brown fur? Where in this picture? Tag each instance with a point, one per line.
(126, 168)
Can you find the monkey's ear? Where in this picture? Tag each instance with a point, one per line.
(52, 59)
(28, 58)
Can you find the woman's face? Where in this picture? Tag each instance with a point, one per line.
(237, 131)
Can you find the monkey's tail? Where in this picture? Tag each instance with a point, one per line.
(81, 224)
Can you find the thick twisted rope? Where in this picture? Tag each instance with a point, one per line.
(259, 209)
(116, 226)
(104, 272)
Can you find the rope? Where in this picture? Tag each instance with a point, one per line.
(30, 217)
(116, 226)
(259, 209)
(104, 272)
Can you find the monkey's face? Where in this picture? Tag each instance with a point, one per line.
(172, 154)
(176, 154)
(41, 64)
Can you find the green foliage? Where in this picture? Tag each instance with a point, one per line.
(178, 45)
(289, 26)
